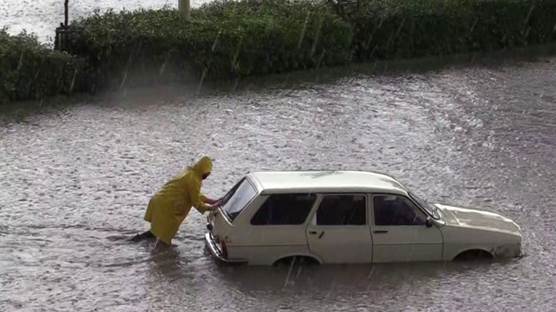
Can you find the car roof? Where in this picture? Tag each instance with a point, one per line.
(325, 182)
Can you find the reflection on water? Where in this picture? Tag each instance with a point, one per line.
(76, 179)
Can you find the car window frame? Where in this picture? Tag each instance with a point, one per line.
(372, 208)
(320, 197)
(246, 207)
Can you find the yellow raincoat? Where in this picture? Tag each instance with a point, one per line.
(168, 207)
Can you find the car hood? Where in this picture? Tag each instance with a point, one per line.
(478, 219)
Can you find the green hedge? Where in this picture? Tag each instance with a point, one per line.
(225, 40)
(229, 39)
(29, 70)
(402, 29)
(221, 40)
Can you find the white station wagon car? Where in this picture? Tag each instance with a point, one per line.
(348, 217)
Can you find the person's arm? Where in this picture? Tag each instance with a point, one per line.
(208, 200)
(196, 197)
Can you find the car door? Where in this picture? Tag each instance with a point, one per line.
(400, 233)
(277, 228)
(339, 231)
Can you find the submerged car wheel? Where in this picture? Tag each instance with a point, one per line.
(474, 255)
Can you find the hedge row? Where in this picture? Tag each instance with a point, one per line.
(385, 29)
(221, 40)
(29, 70)
(225, 40)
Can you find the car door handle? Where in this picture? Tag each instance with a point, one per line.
(380, 232)
(315, 233)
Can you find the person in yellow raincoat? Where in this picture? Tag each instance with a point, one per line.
(170, 205)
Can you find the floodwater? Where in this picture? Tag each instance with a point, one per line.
(77, 177)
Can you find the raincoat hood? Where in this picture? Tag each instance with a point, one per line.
(203, 166)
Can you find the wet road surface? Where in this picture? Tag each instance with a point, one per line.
(76, 178)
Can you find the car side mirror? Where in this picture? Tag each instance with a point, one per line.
(429, 223)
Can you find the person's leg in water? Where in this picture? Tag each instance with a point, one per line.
(143, 236)
(160, 246)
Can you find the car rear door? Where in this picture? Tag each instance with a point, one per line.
(339, 230)
(276, 229)
(400, 233)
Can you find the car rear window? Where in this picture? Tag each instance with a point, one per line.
(237, 198)
(284, 209)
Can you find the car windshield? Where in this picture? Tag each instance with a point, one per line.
(431, 209)
(236, 199)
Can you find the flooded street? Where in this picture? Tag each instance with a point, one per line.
(76, 178)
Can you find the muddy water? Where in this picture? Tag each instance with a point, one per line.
(75, 179)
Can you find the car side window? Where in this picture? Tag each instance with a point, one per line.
(284, 209)
(396, 210)
(342, 210)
